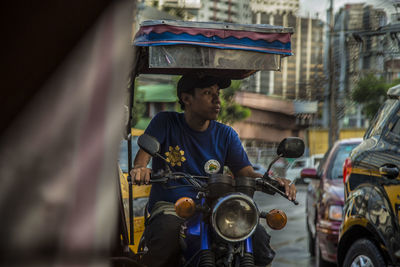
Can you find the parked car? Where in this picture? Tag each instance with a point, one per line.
(370, 231)
(294, 168)
(324, 201)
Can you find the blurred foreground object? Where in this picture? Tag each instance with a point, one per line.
(62, 119)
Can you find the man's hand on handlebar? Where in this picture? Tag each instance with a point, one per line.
(140, 175)
(290, 188)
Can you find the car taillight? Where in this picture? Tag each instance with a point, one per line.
(346, 169)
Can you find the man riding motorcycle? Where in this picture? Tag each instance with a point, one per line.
(192, 142)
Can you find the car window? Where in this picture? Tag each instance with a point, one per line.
(380, 118)
(299, 164)
(336, 167)
(396, 127)
(321, 164)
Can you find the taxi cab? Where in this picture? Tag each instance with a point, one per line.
(370, 231)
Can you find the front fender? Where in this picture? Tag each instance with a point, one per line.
(311, 206)
(368, 214)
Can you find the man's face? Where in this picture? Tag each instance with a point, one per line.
(205, 103)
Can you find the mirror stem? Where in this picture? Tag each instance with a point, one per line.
(169, 167)
(266, 175)
(159, 155)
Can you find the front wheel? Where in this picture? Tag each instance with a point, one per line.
(319, 261)
(311, 240)
(364, 253)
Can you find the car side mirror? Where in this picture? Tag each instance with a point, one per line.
(309, 173)
(149, 144)
(291, 147)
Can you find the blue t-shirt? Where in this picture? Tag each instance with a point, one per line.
(193, 152)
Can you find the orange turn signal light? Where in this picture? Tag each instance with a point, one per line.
(276, 219)
(185, 207)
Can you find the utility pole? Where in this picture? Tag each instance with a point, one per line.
(333, 123)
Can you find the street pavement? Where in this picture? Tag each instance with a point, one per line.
(290, 243)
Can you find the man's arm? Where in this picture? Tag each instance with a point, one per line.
(290, 189)
(248, 171)
(140, 173)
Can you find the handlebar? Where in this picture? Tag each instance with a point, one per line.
(165, 176)
(160, 177)
(267, 184)
(275, 186)
(159, 180)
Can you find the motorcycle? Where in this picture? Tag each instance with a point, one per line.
(220, 222)
(234, 51)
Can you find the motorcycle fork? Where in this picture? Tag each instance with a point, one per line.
(248, 245)
(244, 248)
(204, 235)
(205, 239)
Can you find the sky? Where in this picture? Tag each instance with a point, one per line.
(313, 7)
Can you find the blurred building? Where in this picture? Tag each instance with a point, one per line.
(284, 103)
(287, 100)
(237, 11)
(355, 18)
(357, 50)
(181, 9)
(274, 6)
(392, 56)
(301, 75)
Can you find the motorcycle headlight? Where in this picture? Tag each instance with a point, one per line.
(235, 217)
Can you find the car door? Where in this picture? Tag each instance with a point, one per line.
(390, 164)
(313, 194)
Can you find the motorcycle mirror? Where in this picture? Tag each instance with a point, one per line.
(291, 147)
(149, 144)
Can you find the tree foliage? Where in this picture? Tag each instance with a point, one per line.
(370, 91)
(231, 111)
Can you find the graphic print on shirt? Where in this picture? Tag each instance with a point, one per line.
(175, 156)
(212, 166)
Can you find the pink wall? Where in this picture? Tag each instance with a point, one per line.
(271, 119)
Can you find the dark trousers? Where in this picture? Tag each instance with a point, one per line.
(162, 240)
(263, 253)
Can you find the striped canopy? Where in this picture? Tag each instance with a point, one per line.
(259, 38)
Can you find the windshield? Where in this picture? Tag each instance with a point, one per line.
(342, 153)
(381, 118)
